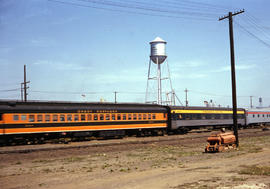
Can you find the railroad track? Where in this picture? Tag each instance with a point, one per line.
(193, 137)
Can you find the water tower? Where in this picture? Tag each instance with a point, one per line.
(157, 57)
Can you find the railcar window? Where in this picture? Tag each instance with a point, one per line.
(203, 117)
(55, 117)
(76, 117)
(193, 116)
(134, 116)
(212, 116)
(39, 118)
(217, 116)
(113, 116)
(188, 116)
(1, 116)
(95, 117)
(31, 118)
(62, 117)
(263, 115)
(129, 117)
(15, 117)
(47, 118)
(208, 116)
(101, 117)
(258, 115)
(140, 116)
(118, 116)
(107, 116)
(89, 117)
(154, 116)
(199, 116)
(23, 117)
(149, 116)
(124, 116)
(253, 115)
(69, 117)
(83, 117)
(239, 116)
(144, 116)
(180, 117)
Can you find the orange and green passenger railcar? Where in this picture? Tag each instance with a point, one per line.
(58, 117)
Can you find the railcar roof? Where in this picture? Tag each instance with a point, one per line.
(266, 109)
(201, 108)
(71, 106)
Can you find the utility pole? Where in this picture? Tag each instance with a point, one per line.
(24, 86)
(186, 91)
(115, 97)
(21, 91)
(230, 16)
(251, 102)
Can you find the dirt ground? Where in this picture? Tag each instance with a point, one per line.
(153, 165)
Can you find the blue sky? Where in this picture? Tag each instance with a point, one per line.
(72, 50)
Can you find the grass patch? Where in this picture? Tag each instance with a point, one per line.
(255, 170)
(250, 148)
(41, 184)
(43, 161)
(47, 170)
(237, 179)
(73, 159)
(125, 170)
(106, 165)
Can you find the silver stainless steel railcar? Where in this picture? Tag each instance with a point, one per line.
(187, 118)
(258, 116)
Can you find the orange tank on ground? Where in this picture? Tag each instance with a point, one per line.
(219, 142)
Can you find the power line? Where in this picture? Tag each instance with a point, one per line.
(196, 4)
(148, 11)
(253, 35)
(254, 25)
(175, 5)
(140, 7)
(10, 90)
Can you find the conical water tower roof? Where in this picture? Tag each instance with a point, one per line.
(158, 39)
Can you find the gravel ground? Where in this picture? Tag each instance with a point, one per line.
(152, 162)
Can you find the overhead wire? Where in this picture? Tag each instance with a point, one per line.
(197, 4)
(84, 92)
(253, 35)
(123, 11)
(173, 5)
(144, 10)
(141, 7)
(254, 25)
(10, 90)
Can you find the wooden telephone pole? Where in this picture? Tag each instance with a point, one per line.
(24, 86)
(230, 16)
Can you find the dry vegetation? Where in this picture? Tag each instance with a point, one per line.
(151, 166)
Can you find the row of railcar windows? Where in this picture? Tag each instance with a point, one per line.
(204, 116)
(82, 117)
(258, 115)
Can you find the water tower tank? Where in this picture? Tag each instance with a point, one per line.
(158, 50)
